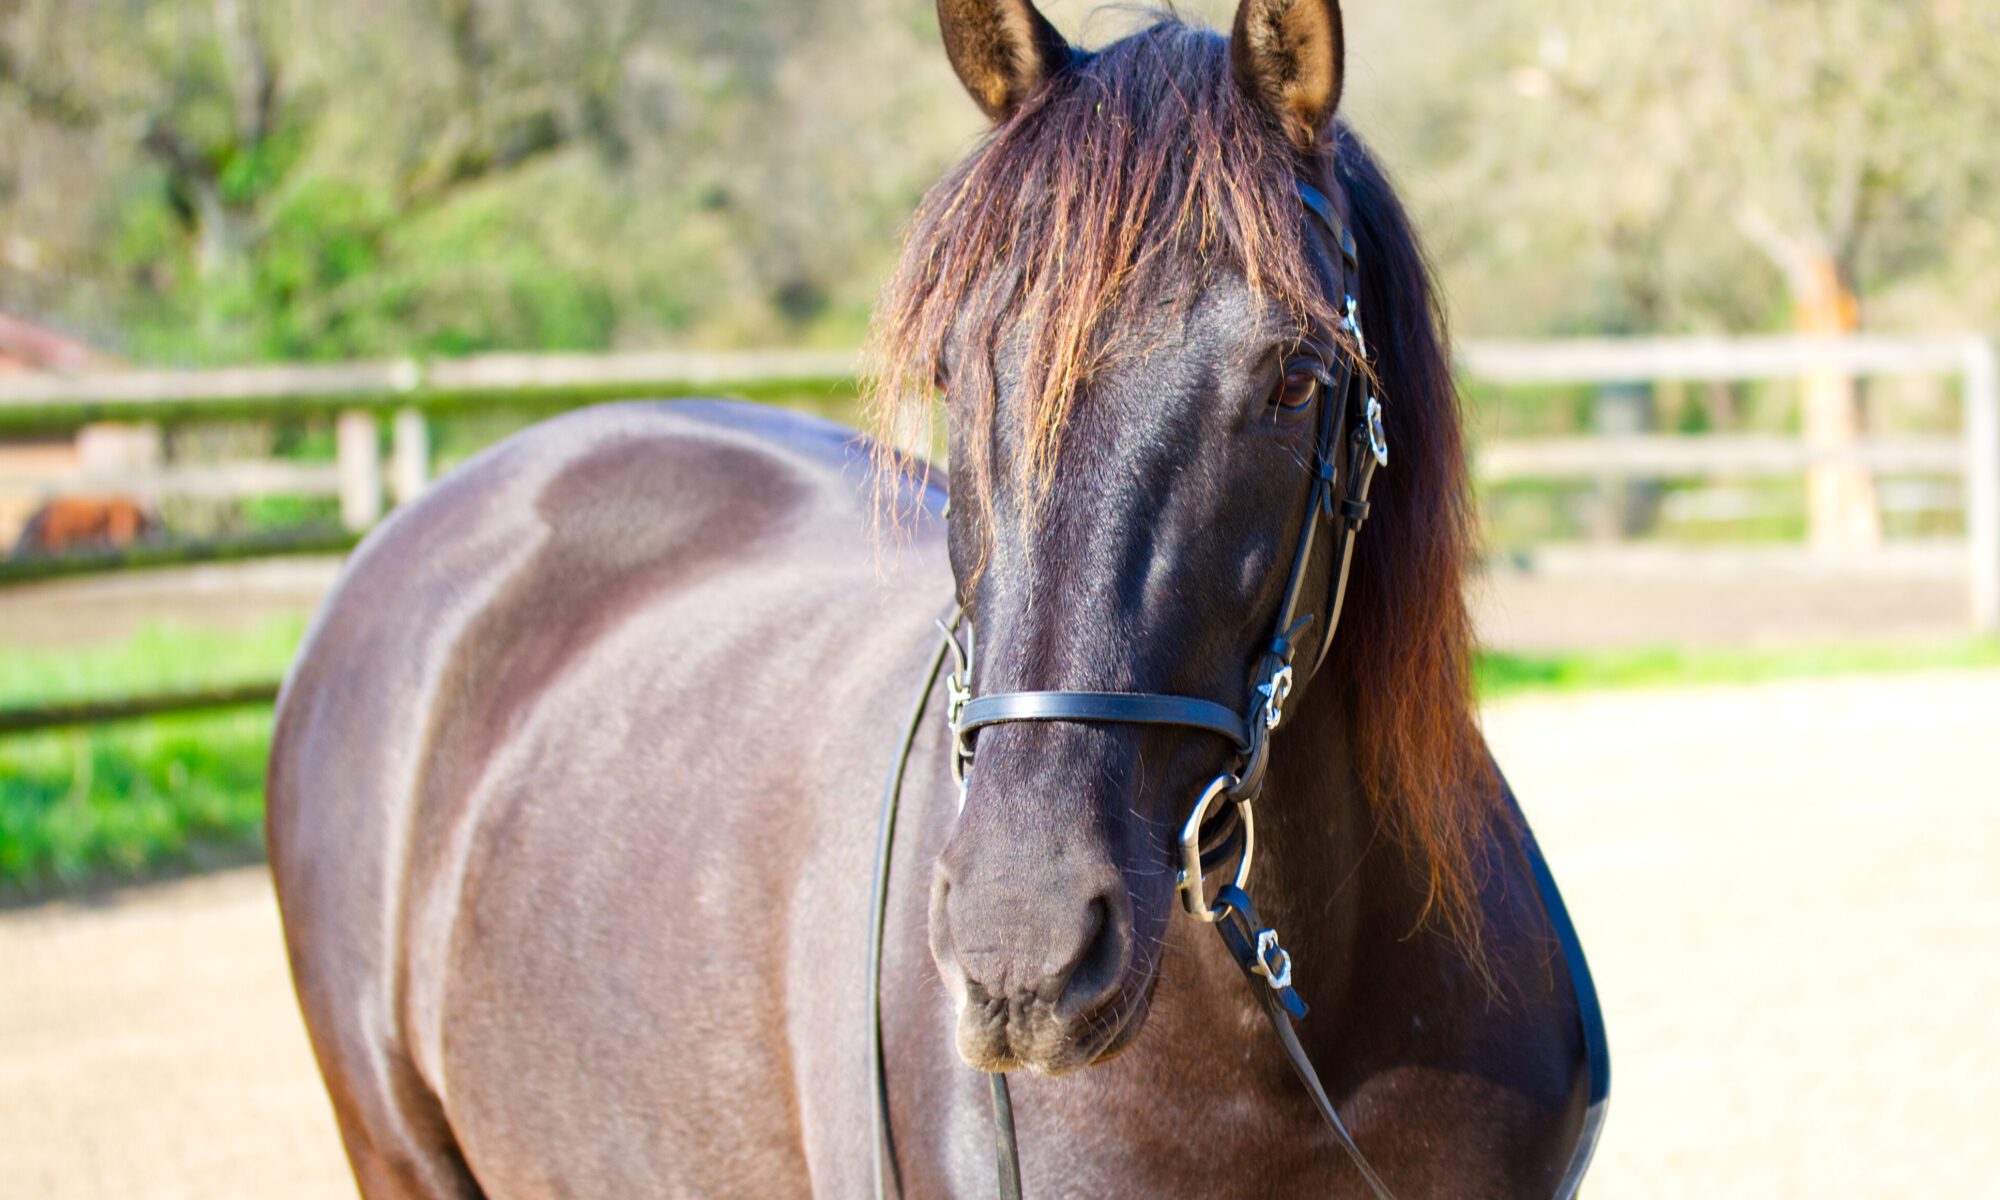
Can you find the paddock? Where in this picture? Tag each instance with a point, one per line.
(1790, 893)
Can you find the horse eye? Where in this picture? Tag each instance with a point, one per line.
(1297, 388)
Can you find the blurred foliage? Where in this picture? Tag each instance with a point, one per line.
(224, 180)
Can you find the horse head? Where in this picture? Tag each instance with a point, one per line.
(1134, 324)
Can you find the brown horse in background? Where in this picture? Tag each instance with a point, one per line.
(573, 793)
(86, 523)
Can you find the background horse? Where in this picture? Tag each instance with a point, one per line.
(86, 523)
(573, 791)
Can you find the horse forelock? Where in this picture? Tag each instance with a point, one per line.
(1129, 179)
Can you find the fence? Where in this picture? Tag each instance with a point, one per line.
(1974, 455)
(361, 395)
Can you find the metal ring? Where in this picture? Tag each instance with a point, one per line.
(1193, 897)
(1378, 437)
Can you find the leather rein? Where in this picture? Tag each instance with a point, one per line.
(1350, 445)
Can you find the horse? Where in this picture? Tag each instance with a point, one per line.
(577, 783)
(86, 523)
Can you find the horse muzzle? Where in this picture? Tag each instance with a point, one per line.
(1046, 974)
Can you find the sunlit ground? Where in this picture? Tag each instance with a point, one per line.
(1790, 893)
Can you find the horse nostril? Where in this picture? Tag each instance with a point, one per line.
(1061, 946)
(1103, 953)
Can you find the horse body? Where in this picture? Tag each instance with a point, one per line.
(552, 938)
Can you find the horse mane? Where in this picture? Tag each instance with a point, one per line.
(1404, 659)
(1144, 158)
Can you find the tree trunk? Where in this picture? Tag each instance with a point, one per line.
(1842, 513)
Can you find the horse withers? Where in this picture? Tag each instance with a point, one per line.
(573, 793)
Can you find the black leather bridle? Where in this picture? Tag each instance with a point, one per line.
(1349, 446)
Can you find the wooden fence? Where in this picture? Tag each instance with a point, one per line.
(360, 396)
(1973, 455)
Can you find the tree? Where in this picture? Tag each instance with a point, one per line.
(1846, 145)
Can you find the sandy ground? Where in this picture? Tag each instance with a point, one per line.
(1543, 612)
(150, 1048)
(1790, 894)
(103, 608)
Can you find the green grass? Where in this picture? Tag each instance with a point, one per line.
(157, 658)
(83, 807)
(86, 806)
(121, 801)
(1502, 674)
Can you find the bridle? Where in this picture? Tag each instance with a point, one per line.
(1350, 444)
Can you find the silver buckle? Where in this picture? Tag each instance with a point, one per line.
(1354, 327)
(1274, 963)
(1378, 437)
(1275, 693)
(957, 692)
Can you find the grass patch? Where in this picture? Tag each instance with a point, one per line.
(158, 658)
(124, 801)
(87, 806)
(1498, 674)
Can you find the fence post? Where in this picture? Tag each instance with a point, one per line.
(358, 452)
(411, 466)
(1982, 480)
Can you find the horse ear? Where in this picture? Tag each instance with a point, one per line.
(1002, 50)
(1288, 56)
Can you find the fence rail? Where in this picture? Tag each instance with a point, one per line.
(1707, 456)
(362, 393)
(1700, 359)
(68, 715)
(53, 402)
(1974, 361)
(309, 542)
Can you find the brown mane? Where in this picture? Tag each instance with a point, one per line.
(1144, 159)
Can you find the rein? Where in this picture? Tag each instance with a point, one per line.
(1221, 827)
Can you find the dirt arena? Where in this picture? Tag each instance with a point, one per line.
(1790, 894)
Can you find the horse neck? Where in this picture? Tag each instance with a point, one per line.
(1332, 886)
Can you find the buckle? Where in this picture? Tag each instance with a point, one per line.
(1274, 962)
(1276, 691)
(1378, 437)
(1354, 327)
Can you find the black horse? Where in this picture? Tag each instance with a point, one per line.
(573, 798)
